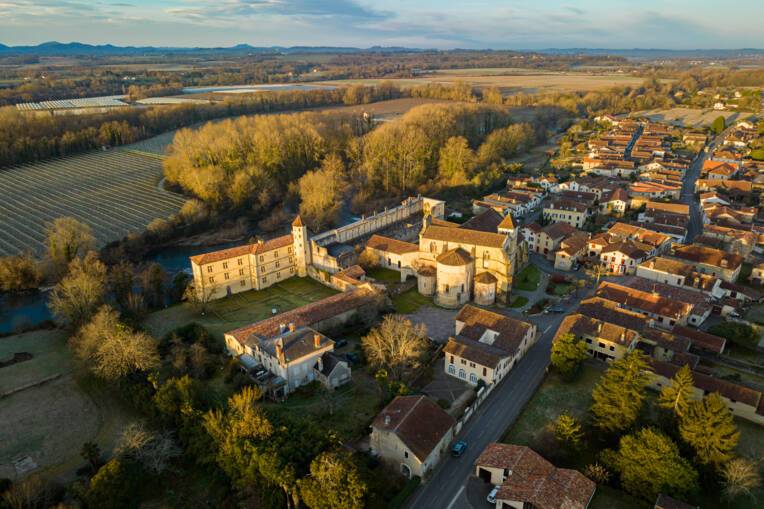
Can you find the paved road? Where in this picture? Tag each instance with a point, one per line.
(695, 226)
(446, 489)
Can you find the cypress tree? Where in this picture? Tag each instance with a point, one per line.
(708, 427)
(620, 393)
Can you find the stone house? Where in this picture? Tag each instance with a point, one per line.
(412, 434)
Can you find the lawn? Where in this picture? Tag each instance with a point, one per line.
(610, 498)
(240, 309)
(518, 301)
(48, 423)
(409, 301)
(552, 398)
(528, 279)
(348, 410)
(384, 275)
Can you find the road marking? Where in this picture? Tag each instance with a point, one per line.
(546, 330)
(453, 500)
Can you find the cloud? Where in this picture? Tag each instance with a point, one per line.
(233, 10)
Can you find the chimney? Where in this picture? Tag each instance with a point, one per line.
(317, 340)
(292, 327)
(320, 363)
(282, 328)
(387, 420)
(280, 349)
(599, 327)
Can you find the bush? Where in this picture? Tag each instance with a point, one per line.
(741, 334)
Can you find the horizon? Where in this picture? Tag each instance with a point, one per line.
(487, 24)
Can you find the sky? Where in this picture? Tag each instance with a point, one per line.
(445, 24)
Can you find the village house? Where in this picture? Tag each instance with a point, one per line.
(604, 341)
(565, 210)
(623, 257)
(718, 170)
(665, 312)
(528, 480)
(700, 302)
(735, 187)
(571, 251)
(678, 273)
(757, 275)
(546, 240)
(707, 260)
(411, 434)
(665, 213)
(742, 401)
(614, 202)
(645, 191)
(486, 345)
(651, 241)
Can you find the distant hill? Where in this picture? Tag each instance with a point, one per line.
(653, 53)
(55, 48)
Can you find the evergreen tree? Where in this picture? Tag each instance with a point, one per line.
(567, 354)
(678, 395)
(648, 463)
(620, 393)
(708, 427)
(567, 430)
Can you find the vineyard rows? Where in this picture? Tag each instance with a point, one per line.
(115, 192)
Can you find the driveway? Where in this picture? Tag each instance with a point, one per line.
(447, 387)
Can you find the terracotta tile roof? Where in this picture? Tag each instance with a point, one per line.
(464, 236)
(507, 223)
(616, 195)
(608, 311)
(567, 205)
(391, 245)
(475, 351)
(698, 300)
(643, 301)
(255, 249)
(296, 344)
(708, 256)
(584, 326)
(669, 265)
(417, 421)
(510, 330)
(634, 250)
(454, 257)
(487, 221)
(666, 340)
(298, 221)
(443, 222)
(534, 480)
(558, 230)
(486, 278)
(305, 316)
(710, 384)
(710, 165)
(671, 208)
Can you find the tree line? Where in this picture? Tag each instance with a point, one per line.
(680, 445)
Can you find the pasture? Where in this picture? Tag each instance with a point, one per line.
(49, 414)
(116, 192)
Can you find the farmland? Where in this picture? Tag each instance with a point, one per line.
(513, 81)
(691, 117)
(115, 192)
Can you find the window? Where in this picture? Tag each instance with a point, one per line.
(452, 359)
(278, 274)
(612, 349)
(601, 345)
(405, 454)
(240, 261)
(277, 264)
(241, 272)
(463, 362)
(289, 250)
(485, 371)
(451, 368)
(212, 280)
(291, 270)
(262, 258)
(462, 374)
(265, 279)
(472, 364)
(473, 378)
(225, 276)
(209, 268)
(243, 282)
(276, 253)
(291, 260)
(588, 340)
(225, 265)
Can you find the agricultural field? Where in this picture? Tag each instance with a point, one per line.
(513, 81)
(691, 117)
(116, 192)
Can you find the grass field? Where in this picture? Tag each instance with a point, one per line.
(409, 301)
(115, 192)
(239, 309)
(528, 279)
(384, 275)
(512, 81)
(691, 117)
(48, 423)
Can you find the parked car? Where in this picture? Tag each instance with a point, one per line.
(353, 357)
(556, 309)
(340, 343)
(458, 448)
(491, 498)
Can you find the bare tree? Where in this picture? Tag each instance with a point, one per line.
(76, 297)
(740, 477)
(153, 449)
(67, 239)
(112, 350)
(397, 345)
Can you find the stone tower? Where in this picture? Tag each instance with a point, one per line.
(301, 244)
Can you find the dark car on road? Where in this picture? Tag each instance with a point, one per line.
(458, 448)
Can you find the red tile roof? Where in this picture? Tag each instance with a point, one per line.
(255, 249)
(417, 421)
(391, 245)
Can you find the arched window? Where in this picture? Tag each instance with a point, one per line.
(462, 374)
(451, 369)
(473, 378)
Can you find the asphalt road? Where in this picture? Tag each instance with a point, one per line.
(695, 226)
(446, 488)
